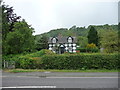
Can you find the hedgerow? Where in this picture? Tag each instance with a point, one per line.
(80, 61)
(46, 59)
(28, 61)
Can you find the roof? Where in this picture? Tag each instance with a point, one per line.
(62, 39)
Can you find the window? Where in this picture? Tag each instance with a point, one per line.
(70, 39)
(70, 49)
(54, 40)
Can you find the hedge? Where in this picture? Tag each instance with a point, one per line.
(81, 61)
(49, 60)
(88, 49)
(28, 61)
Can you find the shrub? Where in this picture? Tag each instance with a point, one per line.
(28, 61)
(83, 50)
(92, 48)
(92, 45)
(80, 61)
(48, 60)
(32, 61)
(39, 53)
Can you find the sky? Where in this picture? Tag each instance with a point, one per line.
(45, 15)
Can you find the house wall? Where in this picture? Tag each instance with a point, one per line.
(69, 47)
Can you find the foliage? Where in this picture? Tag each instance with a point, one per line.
(73, 31)
(16, 34)
(109, 41)
(8, 20)
(32, 60)
(87, 50)
(40, 53)
(41, 42)
(119, 37)
(46, 59)
(92, 48)
(54, 70)
(21, 39)
(81, 61)
(82, 50)
(81, 33)
(93, 36)
(92, 45)
(82, 41)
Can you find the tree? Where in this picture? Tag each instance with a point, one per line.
(8, 20)
(41, 42)
(119, 36)
(21, 40)
(16, 33)
(82, 41)
(109, 41)
(93, 36)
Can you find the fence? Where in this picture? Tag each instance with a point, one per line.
(8, 64)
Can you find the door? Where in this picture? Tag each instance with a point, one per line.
(61, 49)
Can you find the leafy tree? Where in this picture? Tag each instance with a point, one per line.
(82, 41)
(109, 41)
(21, 40)
(93, 36)
(8, 20)
(119, 36)
(41, 42)
(16, 34)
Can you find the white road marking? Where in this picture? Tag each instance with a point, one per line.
(21, 76)
(82, 77)
(31, 87)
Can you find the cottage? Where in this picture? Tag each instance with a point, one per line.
(62, 44)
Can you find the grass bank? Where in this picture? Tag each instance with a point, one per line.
(51, 70)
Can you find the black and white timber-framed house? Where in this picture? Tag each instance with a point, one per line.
(62, 44)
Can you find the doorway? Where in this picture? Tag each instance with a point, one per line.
(61, 49)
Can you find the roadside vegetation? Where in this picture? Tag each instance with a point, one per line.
(46, 59)
(53, 70)
(24, 52)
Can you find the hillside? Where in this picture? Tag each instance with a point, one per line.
(78, 31)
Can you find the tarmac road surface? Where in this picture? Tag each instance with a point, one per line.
(59, 80)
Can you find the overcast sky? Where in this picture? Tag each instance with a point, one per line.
(45, 15)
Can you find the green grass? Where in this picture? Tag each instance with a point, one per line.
(41, 70)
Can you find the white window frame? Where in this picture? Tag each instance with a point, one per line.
(54, 40)
(70, 40)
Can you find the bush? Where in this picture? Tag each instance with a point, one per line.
(40, 53)
(93, 50)
(80, 61)
(28, 61)
(82, 49)
(9, 60)
(32, 61)
(46, 59)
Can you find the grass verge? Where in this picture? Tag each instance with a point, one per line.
(41, 70)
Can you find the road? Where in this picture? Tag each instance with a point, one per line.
(60, 80)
